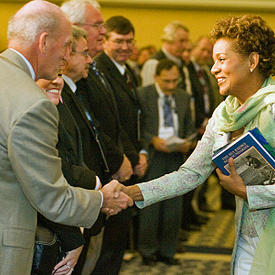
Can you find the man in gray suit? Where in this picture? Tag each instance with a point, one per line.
(166, 115)
(30, 171)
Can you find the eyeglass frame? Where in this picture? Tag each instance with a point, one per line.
(98, 26)
(120, 42)
(85, 53)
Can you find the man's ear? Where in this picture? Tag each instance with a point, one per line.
(254, 58)
(43, 42)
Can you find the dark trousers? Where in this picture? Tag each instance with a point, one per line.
(114, 243)
(159, 224)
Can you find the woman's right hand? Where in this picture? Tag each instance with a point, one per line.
(66, 266)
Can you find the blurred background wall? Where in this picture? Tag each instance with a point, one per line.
(150, 16)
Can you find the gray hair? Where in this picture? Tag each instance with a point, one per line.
(170, 29)
(77, 34)
(26, 27)
(75, 9)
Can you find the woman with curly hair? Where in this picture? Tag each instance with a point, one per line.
(243, 65)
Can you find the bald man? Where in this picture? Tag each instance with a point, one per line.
(31, 180)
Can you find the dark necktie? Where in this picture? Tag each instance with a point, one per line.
(129, 81)
(202, 80)
(167, 112)
(182, 83)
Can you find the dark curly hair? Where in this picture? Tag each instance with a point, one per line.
(249, 33)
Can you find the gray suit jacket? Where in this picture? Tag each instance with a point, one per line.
(148, 97)
(30, 169)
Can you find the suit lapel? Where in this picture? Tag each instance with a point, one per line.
(117, 76)
(68, 92)
(65, 116)
(108, 94)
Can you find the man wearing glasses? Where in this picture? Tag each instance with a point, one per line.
(100, 101)
(31, 180)
(118, 46)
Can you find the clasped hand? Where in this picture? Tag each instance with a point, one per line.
(114, 200)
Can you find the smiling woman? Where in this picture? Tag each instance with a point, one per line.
(244, 61)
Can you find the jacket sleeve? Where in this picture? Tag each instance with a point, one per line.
(79, 175)
(129, 148)
(31, 146)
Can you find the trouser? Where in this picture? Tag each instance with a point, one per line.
(93, 252)
(114, 243)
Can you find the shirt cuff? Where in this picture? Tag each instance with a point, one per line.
(101, 199)
(98, 183)
(143, 151)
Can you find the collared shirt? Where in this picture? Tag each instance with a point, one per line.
(26, 61)
(149, 68)
(177, 60)
(166, 132)
(70, 83)
(120, 67)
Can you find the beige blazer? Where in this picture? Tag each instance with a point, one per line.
(31, 180)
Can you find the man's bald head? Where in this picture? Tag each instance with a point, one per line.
(34, 18)
(42, 33)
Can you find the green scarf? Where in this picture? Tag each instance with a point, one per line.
(233, 116)
(255, 112)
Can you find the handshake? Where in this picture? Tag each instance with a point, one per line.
(114, 198)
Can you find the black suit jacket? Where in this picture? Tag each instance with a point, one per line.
(93, 156)
(127, 101)
(197, 94)
(71, 152)
(102, 103)
(75, 171)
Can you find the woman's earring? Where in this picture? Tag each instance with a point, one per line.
(251, 70)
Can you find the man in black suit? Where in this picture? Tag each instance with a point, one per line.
(118, 45)
(98, 97)
(98, 152)
(166, 114)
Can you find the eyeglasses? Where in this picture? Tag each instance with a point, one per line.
(120, 42)
(98, 26)
(84, 53)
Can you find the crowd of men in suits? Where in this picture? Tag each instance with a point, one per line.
(107, 128)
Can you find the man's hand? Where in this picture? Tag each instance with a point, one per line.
(141, 167)
(232, 183)
(125, 171)
(114, 200)
(160, 144)
(66, 266)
